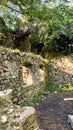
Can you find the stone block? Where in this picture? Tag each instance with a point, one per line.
(17, 118)
(26, 119)
(14, 117)
(5, 98)
(70, 120)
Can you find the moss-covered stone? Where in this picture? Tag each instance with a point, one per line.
(13, 73)
(13, 117)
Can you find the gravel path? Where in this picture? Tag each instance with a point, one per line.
(53, 111)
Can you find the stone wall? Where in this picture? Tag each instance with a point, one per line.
(24, 73)
(60, 71)
(33, 75)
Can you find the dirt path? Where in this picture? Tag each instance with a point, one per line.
(53, 111)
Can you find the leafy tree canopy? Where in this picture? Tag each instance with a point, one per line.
(50, 17)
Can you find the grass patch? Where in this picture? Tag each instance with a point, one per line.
(35, 100)
(49, 88)
(59, 88)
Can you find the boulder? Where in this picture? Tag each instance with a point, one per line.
(14, 117)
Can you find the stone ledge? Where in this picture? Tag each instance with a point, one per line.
(14, 117)
(70, 120)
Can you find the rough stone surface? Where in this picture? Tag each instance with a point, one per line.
(70, 120)
(60, 71)
(24, 73)
(13, 117)
(5, 98)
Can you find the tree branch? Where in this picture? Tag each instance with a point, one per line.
(11, 8)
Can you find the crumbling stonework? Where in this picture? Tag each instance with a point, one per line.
(13, 117)
(60, 71)
(11, 72)
(24, 73)
(35, 80)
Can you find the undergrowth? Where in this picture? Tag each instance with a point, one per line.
(59, 88)
(35, 100)
(50, 88)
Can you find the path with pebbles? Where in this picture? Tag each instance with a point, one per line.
(53, 111)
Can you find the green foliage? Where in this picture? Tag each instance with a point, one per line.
(58, 88)
(35, 100)
(49, 88)
(52, 18)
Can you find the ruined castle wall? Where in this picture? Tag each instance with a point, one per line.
(24, 73)
(60, 71)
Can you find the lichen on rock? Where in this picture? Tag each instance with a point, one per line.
(13, 117)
